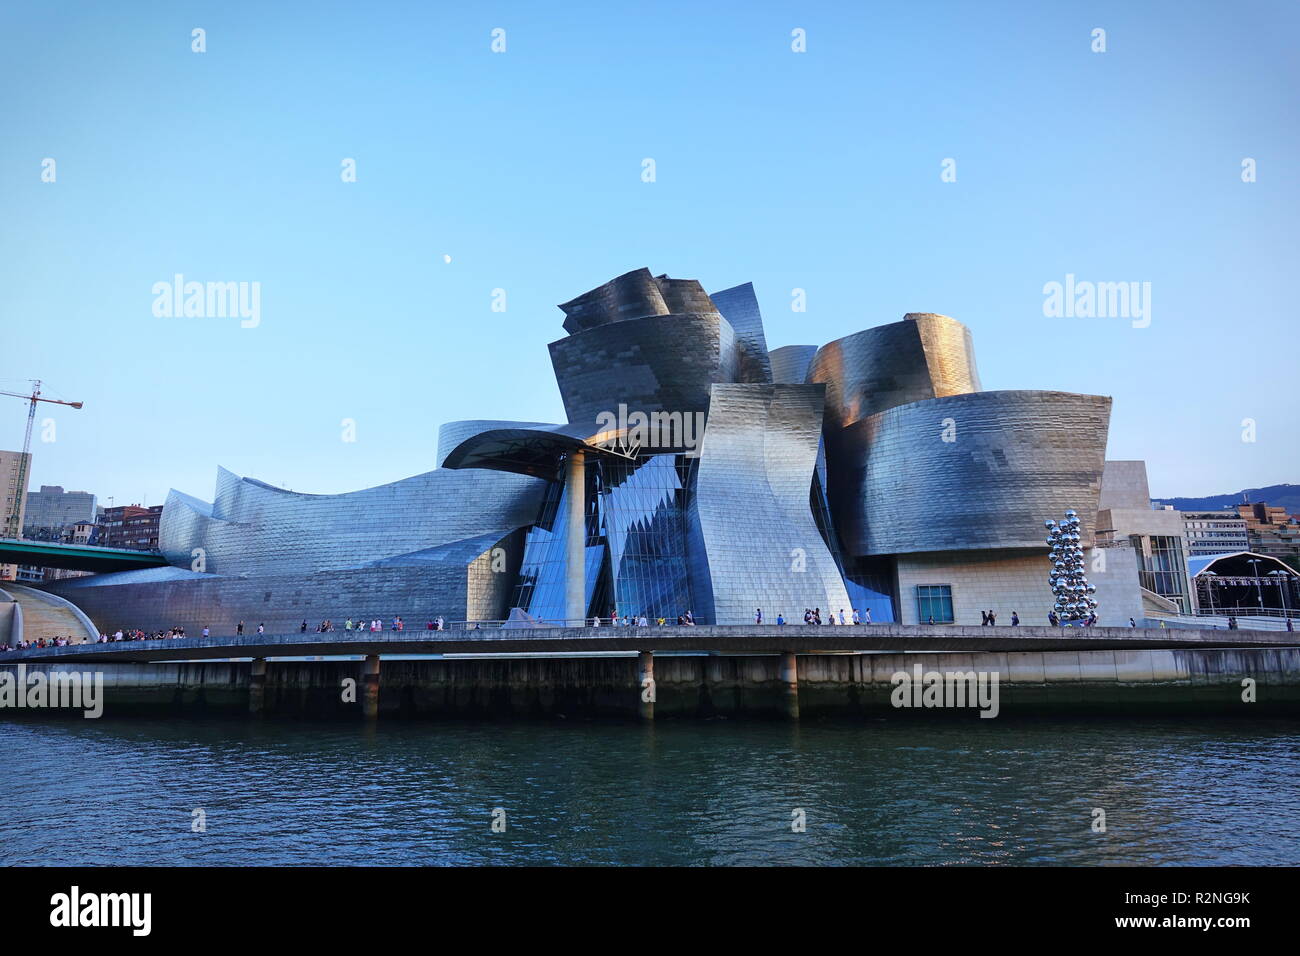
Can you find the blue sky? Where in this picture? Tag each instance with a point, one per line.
(818, 171)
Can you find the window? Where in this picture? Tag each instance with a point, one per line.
(934, 600)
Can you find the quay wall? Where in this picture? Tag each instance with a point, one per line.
(1187, 681)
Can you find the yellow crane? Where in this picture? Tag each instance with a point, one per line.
(13, 523)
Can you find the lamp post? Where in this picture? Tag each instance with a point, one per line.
(1283, 582)
(1259, 591)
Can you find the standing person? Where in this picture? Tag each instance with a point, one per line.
(690, 618)
(1290, 628)
(845, 620)
(984, 618)
(1015, 619)
(1132, 623)
(993, 618)
(239, 631)
(780, 621)
(930, 619)
(758, 615)
(303, 629)
(205, 630)
(261, 629)
(1052, 619)
(867, 619)
(857, 618)
(817, 616)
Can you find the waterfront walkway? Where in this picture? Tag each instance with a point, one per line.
(746, 639)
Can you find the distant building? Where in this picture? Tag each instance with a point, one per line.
(52, 509)
(129, 526)
(1271, 530)
(1214, 532)
(14, 467)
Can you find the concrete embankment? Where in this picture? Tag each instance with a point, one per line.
(1188, 681)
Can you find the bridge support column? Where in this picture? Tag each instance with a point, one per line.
(789, 677)
(370, 687)
(645, 672)
(575, 550)
(257, 687)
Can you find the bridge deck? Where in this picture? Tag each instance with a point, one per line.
(709, 639)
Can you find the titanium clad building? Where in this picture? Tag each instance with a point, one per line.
(697, 472)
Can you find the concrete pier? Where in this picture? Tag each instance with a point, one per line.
(789, 677)
(257, 686)
(370, 687)
(646, 685)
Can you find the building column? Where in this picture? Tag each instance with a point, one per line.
(257, 687)
(370, 687)
(645, 683)
(575, 552)
(789, 677)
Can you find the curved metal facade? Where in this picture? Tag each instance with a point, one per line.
(924, 356)
(453, 433)
(254, 528)
(754, 541)
(968, 472)
(655, 363)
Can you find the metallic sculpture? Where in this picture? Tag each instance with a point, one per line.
(1075, 603)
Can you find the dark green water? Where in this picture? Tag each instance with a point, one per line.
(695, 793)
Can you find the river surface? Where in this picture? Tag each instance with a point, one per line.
(712, 793)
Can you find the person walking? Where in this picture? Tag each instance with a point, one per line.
(303, 629)
(993, 619)
(1132, 623)
(1015, 619)
(984, 618)
(758, 615)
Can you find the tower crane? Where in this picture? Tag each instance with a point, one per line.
(13, 521)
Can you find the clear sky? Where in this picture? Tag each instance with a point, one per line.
(818, 170)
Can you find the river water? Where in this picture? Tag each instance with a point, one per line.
(719, 792)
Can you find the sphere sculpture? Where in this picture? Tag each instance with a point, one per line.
(1074, 595)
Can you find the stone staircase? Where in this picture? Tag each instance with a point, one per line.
(44, 616)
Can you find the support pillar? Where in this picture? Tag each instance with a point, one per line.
(370, 687)
(257, 687)
(789, 677)
(646, 687)
(575, 551)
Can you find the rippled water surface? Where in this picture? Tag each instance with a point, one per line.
(695, 793)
